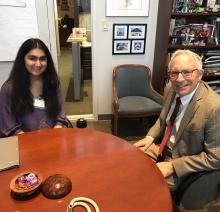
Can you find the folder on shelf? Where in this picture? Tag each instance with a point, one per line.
(211, 58)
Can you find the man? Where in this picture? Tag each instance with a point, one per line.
(193, 144)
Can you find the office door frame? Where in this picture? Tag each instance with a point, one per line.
(47, 32)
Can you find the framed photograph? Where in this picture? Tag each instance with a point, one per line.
(121, 47)
(120, 31)
(137, 31)
(137, 46)
(201, 28)
(211, 3)
(179, 29)
(192, 34)
(127, 7)
(129, 38)
(197, 28)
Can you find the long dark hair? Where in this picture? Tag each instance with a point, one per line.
(21, 98)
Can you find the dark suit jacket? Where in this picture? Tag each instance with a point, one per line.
(197, 146)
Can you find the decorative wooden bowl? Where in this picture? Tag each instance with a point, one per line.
(56, 186)
(26, 185)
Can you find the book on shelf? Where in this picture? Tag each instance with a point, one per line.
(211, 58)
(204, 3)
(214, 82)
(211, 61)
(210, 53)
(174, 6)
(188, 6)
(214, 65)
(212, 71)
(217, 30)
(172, 26)
(210, 3)
(215, 85)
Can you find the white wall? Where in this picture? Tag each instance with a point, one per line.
(5, 68)
(104, 61)
(45, 29)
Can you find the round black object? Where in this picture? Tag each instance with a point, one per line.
(56, 186)
(81, 123)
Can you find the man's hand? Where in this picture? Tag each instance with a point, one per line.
(166, 168)
(144, 144)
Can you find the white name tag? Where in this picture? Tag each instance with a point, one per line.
(39, 103)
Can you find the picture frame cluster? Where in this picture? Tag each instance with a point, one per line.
(129, 39)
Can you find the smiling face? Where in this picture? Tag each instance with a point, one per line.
(35, 62)
(181, 85)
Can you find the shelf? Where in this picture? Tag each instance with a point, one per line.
(163, 46)
(86, 62)
(213, 47)
(173, 15)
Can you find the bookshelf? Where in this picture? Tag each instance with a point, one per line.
(173, 32)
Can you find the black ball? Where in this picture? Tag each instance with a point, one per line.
(81, 123)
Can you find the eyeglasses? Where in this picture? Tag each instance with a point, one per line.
(187, 74)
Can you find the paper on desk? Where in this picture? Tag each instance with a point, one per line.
(9, 152)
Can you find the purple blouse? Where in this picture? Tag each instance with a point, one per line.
(38, 119)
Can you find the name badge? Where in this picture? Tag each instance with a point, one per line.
(172, 139)
(39, 103)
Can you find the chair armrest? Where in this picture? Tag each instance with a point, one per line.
(115, 104)
(70, 125)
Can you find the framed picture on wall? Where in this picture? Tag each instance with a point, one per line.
(127, 7)
(137, 31)
(121, 47)
(129, 38)
(137, 46)
(120, 31)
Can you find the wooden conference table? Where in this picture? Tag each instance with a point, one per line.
(105, 168)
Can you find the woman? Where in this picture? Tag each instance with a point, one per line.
(31, 97)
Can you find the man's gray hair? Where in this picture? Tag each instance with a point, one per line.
(193, 55)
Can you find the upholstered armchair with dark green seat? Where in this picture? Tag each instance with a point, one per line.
(133, 94)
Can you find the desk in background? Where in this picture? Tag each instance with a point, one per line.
(76, 66)
(86, 61)
(105, 168)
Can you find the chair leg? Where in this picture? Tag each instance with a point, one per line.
(115, 124)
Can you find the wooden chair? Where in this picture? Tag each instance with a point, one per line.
(133, 94)
(70, 125)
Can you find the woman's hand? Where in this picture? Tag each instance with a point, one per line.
(20, 132)
(58, 126)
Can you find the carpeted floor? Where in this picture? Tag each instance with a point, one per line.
(70, 93)
(84, 105)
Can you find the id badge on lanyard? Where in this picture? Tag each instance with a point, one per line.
(39, 103)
